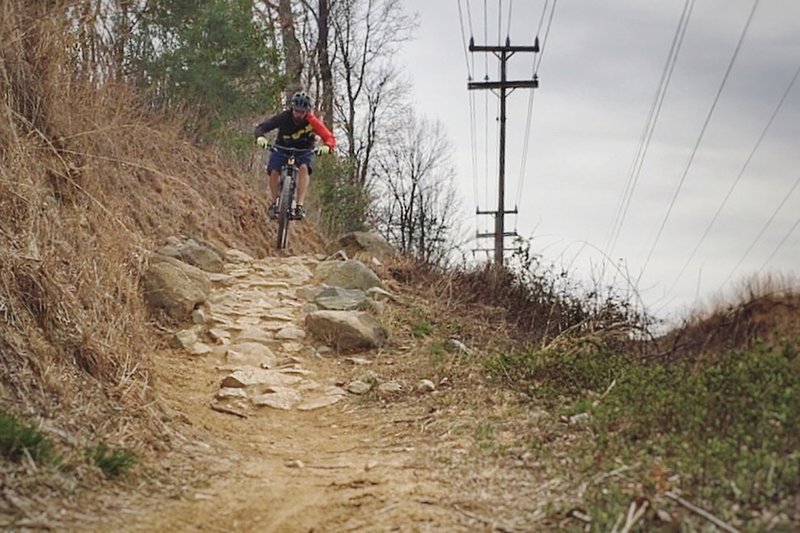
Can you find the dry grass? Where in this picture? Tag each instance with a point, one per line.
(762, 310)
(90, 182)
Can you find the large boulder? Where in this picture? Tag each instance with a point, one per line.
(339, 299)
(363, 243)
(197, 253)
(346, 330)
(174, 286)
(350, 274)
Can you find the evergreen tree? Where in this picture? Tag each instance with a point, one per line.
(209, 56)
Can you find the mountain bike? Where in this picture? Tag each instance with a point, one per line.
(286, 195)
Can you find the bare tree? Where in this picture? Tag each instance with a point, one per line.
(367, 33)
(417, 206)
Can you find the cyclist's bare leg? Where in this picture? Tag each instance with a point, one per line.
(274, 178)
(302, 184)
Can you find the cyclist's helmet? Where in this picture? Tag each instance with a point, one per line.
(301, 102)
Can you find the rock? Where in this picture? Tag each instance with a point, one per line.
(580, 418)
(291, 333)
(309, 293)
(377, 307)
(351, 274)
(369, 377)
(174, 286)
(236, 256)
(253, 334)
(247, 377)
(337, 298)
(219, 335)
(380, 295)
(196, 253)
(357, 360)
(226, 393)
(184, 338)
(358, 387)
(392, 387)
(332, 395)
(424, 386)
(199, 317)
(250, 354)
(346, 330)
(456, 346)
(278, 398)
(200, 348)
(363, 243)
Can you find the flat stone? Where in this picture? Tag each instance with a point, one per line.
(250, 354)
(358, 387)
(221, 278)
(238, 256)
(253, 334)
(291, 333)
(227, 393)
(354, 360)
(200, 348)
(391, 387)
(278, 398)
(267, 284)
(247, 377)
(318, 403)
(279, 316)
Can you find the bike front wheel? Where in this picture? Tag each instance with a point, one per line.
(284, 211)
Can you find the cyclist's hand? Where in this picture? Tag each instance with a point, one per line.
(324, 149)
(262, 142)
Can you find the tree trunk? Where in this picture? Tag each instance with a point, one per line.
(326, 73)
(291, 47)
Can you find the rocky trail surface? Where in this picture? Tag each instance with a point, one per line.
(295, 423)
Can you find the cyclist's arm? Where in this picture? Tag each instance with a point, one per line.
(269, 125)
(321, 130)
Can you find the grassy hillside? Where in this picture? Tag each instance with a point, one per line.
(90, 183)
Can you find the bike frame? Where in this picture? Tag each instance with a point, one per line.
(287, 187)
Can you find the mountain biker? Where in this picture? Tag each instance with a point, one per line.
(296, 129)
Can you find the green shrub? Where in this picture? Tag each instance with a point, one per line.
(342, 206)
(111, 462)
(422, 328)
(18, 438)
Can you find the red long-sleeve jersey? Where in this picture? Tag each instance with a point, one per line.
(295, 134)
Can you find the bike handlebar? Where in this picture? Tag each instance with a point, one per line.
(280, 148)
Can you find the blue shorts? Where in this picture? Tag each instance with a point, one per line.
(278, 159)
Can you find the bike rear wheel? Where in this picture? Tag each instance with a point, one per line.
(284, 210)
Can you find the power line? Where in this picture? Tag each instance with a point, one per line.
(738, 177)
(529, 118)
(780, 244)
(472, 120)
(649, 128)
(544, 42)
(464, 38)
(700, 138)
(763, 229)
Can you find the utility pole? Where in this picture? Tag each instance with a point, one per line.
(503, 53)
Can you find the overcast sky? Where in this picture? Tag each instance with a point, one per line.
(599, 75)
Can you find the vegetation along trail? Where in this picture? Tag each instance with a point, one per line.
(302, 452)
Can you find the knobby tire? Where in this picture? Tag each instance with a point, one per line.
(284, 210)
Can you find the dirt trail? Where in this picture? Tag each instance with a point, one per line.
(364, 463)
